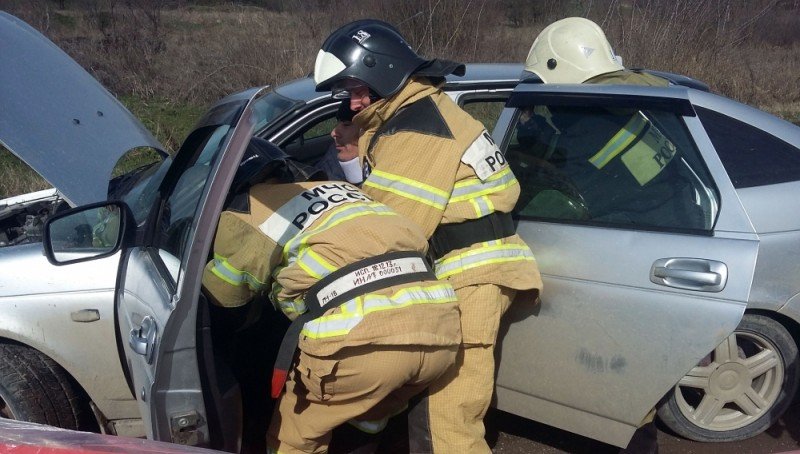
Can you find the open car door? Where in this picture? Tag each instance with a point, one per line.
(159, 298)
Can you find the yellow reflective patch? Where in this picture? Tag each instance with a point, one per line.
(484, 208)
(243, 277)
(326, 326)
(486, 255)
(482, 188)
(410, 182)
(224, 278)
(316, 258)
(648, 156)
(621, 141)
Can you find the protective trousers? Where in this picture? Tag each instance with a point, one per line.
(365, 383)
(450, 419)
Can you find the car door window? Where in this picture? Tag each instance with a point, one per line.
(310, 143)
(751, 156)
(180, 208)
(621, 166)
(320, 129)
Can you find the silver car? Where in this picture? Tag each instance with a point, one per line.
(667, 256)
(60, 362)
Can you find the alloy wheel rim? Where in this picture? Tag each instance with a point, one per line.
(734, 386)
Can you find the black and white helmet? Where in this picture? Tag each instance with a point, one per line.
(263, 160)
(366, 52)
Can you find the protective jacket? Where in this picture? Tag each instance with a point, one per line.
(435, 164)
(628, 77)
(282, 239)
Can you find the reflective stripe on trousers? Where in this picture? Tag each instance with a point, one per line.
(353, 311)
(490, 253)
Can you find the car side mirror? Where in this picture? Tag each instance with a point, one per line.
(85, 233)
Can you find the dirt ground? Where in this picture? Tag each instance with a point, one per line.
(509, 434)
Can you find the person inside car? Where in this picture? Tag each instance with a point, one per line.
(620, 159)
(340, 161)
(345, 139)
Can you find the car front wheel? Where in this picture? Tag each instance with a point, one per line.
(35, 388)
(740, 388)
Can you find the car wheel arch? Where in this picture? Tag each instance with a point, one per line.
(49, 377)
(760, 326)
(18, 340)
(58, 360)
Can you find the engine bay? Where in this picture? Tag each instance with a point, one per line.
(23, 221)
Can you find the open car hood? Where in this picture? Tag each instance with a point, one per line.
(58, 119)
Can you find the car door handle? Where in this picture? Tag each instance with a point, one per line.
(690, 273)
(695, 276)
(143, 339)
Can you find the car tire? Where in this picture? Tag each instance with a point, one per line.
(739, 389)
(35, 388)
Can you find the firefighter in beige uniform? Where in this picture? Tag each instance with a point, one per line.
(374, 325)
(431, 161)
(575, 50)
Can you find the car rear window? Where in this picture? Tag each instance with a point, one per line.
(751, 156)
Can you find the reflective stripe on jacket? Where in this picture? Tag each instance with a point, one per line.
(292, 235)
(432, 162)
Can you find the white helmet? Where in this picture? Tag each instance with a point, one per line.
(571, 51)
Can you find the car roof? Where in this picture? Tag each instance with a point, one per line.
(58, 119)
(488, 72)
(303, 89)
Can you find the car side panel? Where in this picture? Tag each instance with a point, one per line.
(769, 210)
(777, 277)
(606, 341)
(42, 308)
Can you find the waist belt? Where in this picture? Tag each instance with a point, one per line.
(449, 237)
(344, 284)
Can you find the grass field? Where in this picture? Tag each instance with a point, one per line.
(167, 60)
